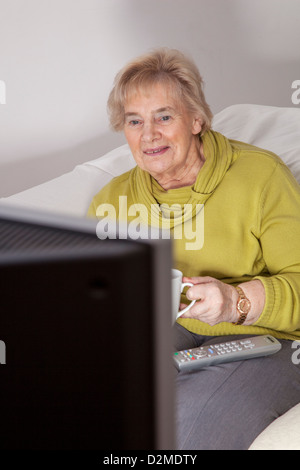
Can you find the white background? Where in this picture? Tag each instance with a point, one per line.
(58, 59)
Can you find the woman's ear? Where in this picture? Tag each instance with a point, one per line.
(197, 125)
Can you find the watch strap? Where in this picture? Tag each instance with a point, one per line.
(243, 306)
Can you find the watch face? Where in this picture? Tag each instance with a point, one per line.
(244, 305)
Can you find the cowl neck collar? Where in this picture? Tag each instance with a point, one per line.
(173, 204)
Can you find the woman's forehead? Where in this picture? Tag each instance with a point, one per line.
(159, 96)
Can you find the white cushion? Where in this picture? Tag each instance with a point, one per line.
(72, 192)
(282, 434)
(268, 127)
(275, 129)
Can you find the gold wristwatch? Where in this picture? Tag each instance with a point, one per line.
(243, 306)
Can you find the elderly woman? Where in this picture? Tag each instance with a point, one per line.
(245, 276)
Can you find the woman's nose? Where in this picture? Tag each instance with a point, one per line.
(150, 132)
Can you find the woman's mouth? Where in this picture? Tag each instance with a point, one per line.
(156, 151)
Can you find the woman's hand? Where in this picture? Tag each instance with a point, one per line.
(216, 300)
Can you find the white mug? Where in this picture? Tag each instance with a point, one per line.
(177, 288)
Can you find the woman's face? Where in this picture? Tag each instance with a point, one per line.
(162, 135)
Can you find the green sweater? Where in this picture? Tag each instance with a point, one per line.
(251, 228)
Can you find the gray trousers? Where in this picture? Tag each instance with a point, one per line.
(225, 407)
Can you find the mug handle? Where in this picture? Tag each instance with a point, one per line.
(181, 312)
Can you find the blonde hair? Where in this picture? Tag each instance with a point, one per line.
(167, 66)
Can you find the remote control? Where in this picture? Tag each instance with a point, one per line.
(197, 358)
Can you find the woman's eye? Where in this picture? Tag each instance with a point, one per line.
(134, 122)
(165, 118)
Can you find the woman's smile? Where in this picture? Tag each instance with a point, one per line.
(156, 151)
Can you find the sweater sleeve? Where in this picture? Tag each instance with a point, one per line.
(279, 236)
(109, 194)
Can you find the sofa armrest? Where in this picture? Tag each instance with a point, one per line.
(281, 434)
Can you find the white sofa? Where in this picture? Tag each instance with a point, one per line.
(272, 128)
